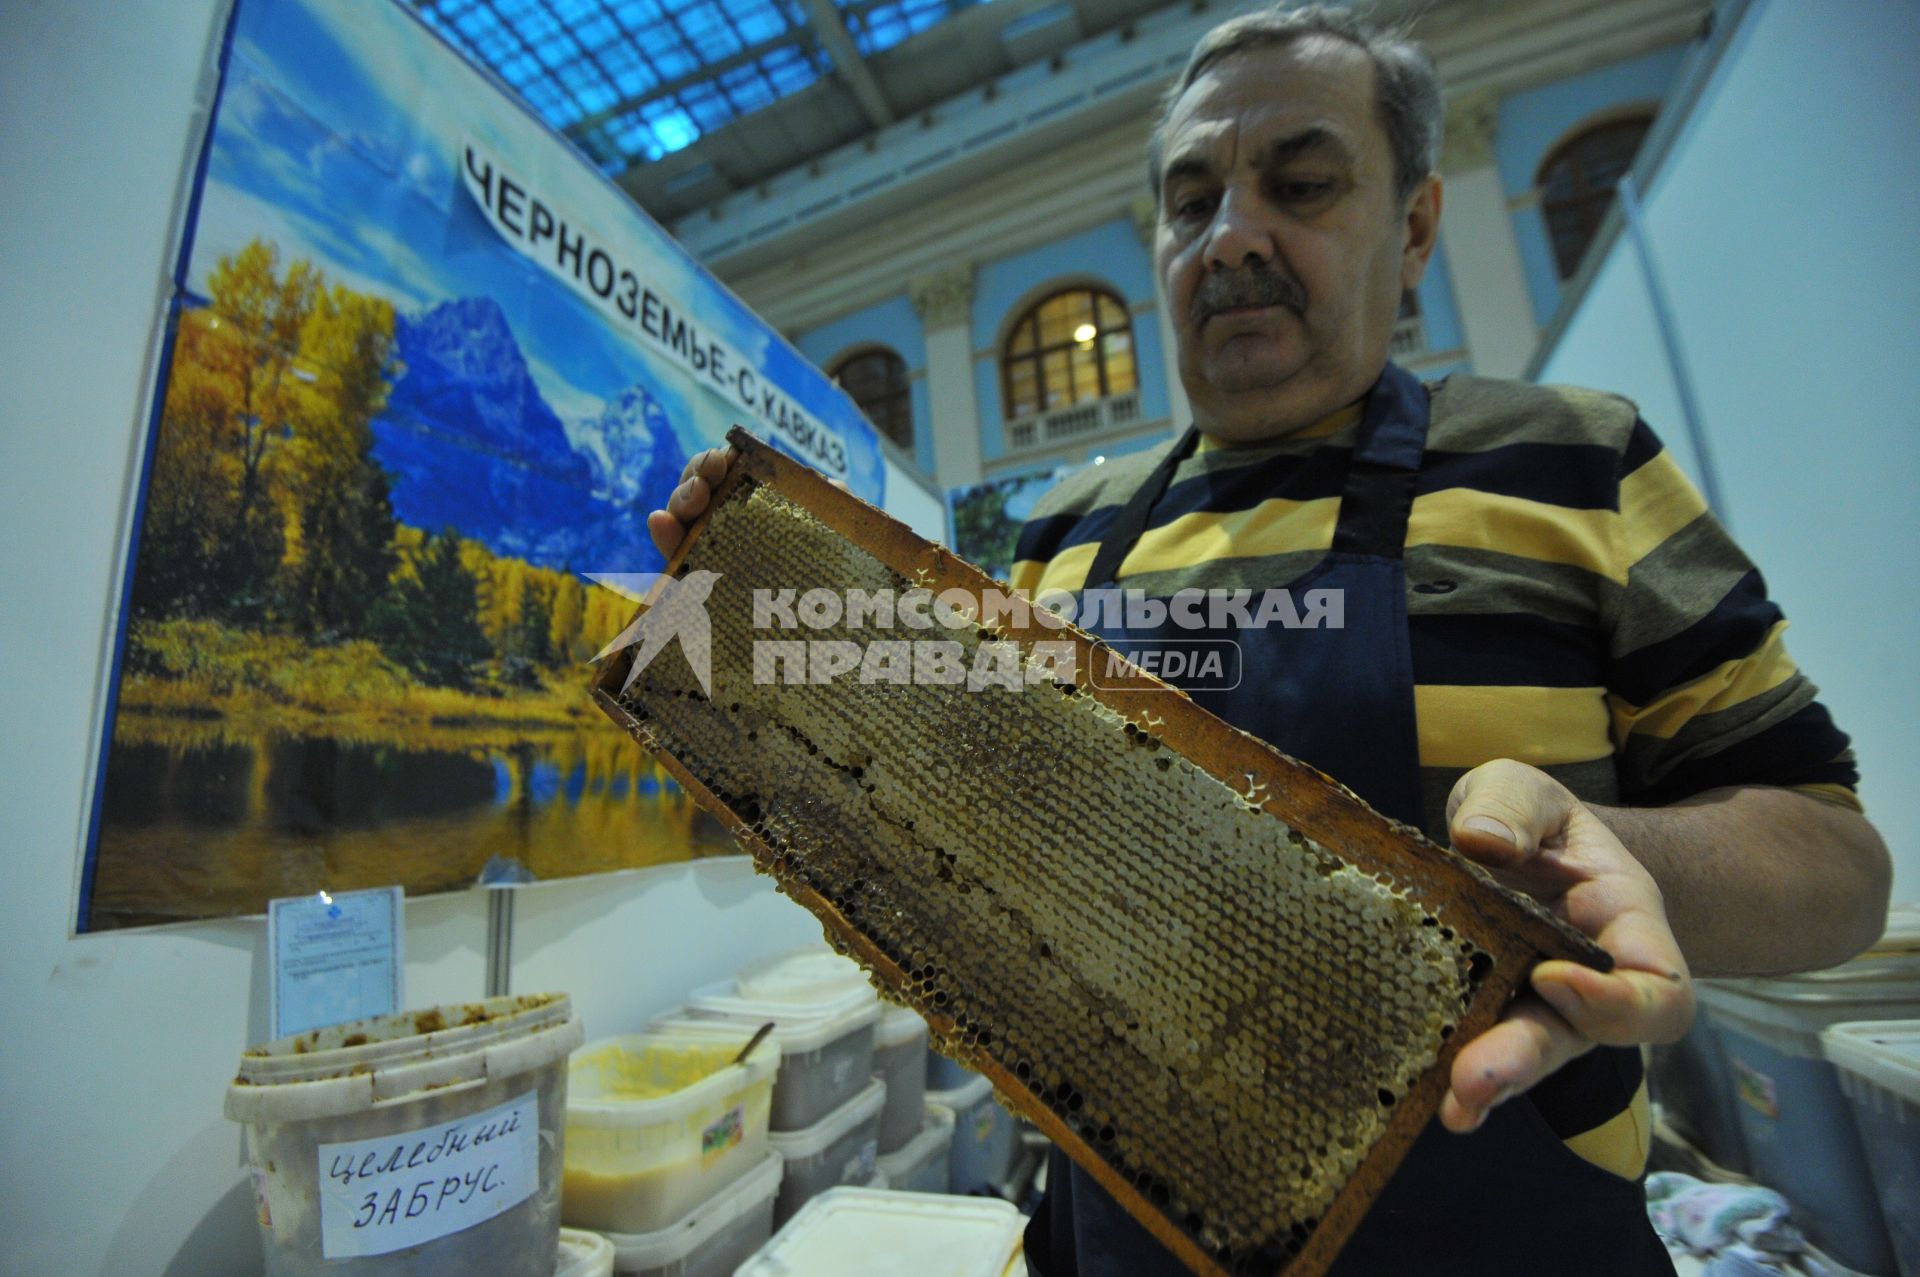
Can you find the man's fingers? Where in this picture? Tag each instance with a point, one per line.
(689, 500)
(1499, 813)
(1528, 1044)
(667, 532)
(709, 463)
(1622, 1007)
(712, 464)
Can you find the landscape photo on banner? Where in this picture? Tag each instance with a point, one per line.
(986, 517)
(426, 370)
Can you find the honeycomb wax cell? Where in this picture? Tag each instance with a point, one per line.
(1219, 980)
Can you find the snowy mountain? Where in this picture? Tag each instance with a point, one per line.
(631, 445)
(472, 444)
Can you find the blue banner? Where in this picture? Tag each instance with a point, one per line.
(427, 372)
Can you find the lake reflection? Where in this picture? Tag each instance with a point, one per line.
(210, 823)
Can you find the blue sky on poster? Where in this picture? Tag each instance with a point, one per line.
(339, 134)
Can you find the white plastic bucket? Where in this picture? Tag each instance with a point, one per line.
(1797, 1125)
(985, 1136)
(900, 1060)
(808, 976)
(826, 1047)
(841, 1148)
(858, 1232)
(425, 1141)
(923, 1164)
(712, 1241)
(1879, 1067)
(584, 1254)
(657, 1123)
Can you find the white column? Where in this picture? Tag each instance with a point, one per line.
(1476, 233)
(1146, 218)
(944, 303)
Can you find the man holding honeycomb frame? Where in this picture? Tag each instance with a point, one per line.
(1551, 654)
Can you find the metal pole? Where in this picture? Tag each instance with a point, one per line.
(499, 941)
(1670, 339)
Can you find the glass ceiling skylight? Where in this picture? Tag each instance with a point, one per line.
(632, 80)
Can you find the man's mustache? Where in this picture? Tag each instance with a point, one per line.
(1249, 286)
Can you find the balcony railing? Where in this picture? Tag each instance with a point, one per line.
(1064, 425)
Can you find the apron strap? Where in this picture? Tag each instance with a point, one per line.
(1133, 516)
(1374, 505)
(1378, 497)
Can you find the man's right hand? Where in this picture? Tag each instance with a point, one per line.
(689, 501)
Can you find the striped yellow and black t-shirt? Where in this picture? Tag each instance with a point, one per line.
(1571, 604)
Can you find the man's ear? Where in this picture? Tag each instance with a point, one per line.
(1422, 228)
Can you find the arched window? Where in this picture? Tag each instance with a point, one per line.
(1074, 345)
(1576, 183)
(876, 380)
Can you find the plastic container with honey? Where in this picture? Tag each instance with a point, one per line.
(900, 1060)
(841, 1149)
(658, 1123)
(826, 1045)
(985, 1136)
(715, 1239)
(922, 1164)
(1878, 1063)
(429, 1141)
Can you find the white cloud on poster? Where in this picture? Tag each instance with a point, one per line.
(231, 218)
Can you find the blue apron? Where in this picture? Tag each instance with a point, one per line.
(1511, 1198)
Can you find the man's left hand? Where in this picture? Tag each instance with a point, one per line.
(1536, 837)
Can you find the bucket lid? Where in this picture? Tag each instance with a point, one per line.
(863, 1107)
(583, 1254)
(723, 997)
(801, 1027)
(644, 1252)
(588, 1097)
(899, 1026)
(1903, 930)
(863, 1232)
(1885, 1052)
(1874, 976)
(964, 1097)
(810, 975)
(344, 1068)
(935, 1135)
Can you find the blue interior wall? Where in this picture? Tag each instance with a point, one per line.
(1437, 308)
(1531, 123)
(892, 323)
(1111, 253)
(1795, 332)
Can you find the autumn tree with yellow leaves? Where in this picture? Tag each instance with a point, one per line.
(266, 509)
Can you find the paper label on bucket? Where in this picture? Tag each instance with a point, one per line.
(386, 1194)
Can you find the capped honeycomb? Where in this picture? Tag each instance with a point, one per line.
(1225, 986)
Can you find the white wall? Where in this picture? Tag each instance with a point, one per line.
(914, 504)
(115, 1158)
(1782, 224)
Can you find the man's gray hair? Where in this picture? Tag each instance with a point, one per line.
(1406, 85)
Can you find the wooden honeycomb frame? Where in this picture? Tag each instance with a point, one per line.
(1505, 933)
